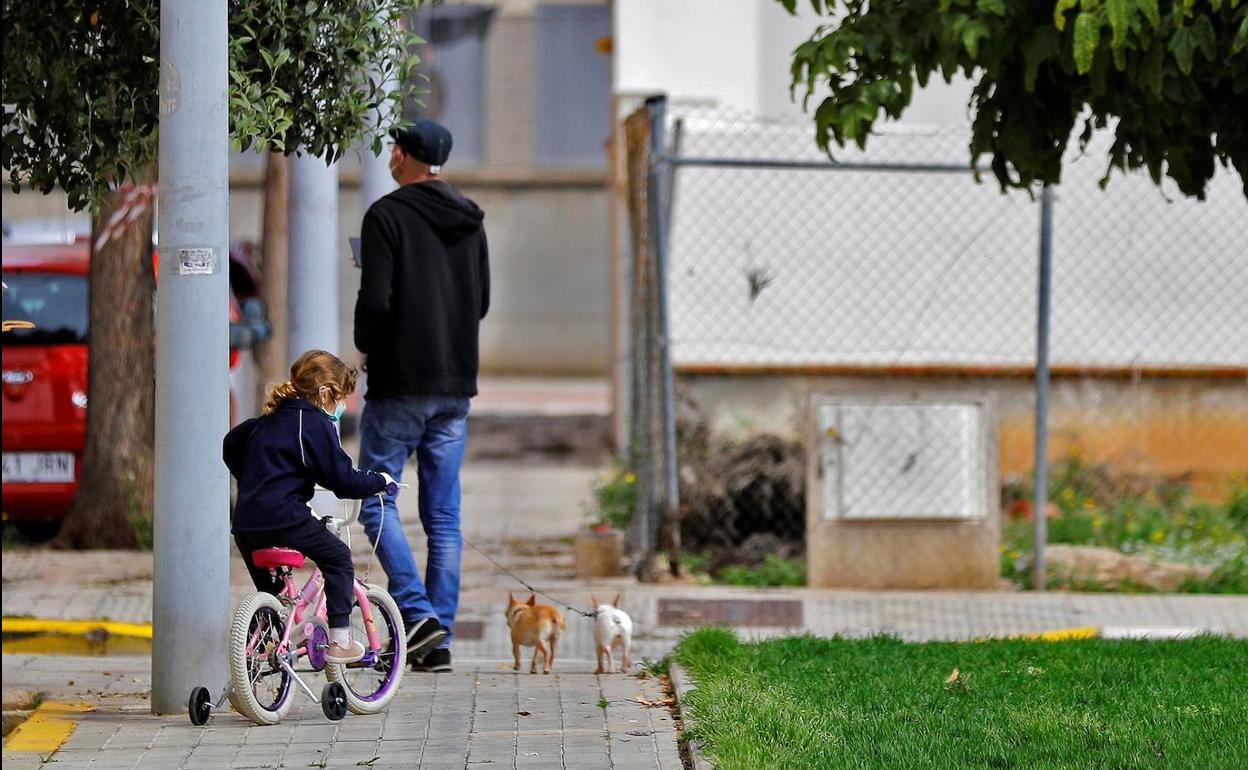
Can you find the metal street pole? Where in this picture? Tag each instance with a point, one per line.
(190, 599)
(375, 179)
(314, 249)
(1039, 514)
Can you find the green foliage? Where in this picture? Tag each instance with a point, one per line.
(83, 82)
(615, 498)
(1229, 577)
(1157, 518)
(657, 667)
(815, 704)
(1169, 78)
(695, 562)
(774, 571)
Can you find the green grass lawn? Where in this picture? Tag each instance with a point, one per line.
(806, 703)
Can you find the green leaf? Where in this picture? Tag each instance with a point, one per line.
(1087, 38)
(1059, 13)
(1183, 46)
(1120, 13)
(995, 7)
(1204, 37)
(1042, 45)
(972, 33)
(1241, 37)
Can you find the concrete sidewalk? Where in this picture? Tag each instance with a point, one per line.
(484, 715)
(478, 716)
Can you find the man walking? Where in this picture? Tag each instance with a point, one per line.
(424, 288)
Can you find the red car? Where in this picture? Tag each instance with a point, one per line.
(45, 371)
(44, 378)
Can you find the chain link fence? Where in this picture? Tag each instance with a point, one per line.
(780, 273)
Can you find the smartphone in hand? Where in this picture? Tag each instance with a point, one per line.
(355, 251)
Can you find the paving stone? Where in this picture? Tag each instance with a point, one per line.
(468, 719)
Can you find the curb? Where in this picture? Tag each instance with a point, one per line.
(74, 627)
(682, 685)
(1119, 632)
(47, 728)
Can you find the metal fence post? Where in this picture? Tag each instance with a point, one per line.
(1039, 514)
(190, 597)
(657, 192)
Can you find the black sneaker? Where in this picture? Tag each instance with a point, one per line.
(438, 661)
(422, 637)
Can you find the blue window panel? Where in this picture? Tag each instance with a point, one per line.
(451, 75)
(573, 117)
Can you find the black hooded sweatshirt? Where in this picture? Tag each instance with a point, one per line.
(424, 288)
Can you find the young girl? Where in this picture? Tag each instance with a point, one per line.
(277, 459)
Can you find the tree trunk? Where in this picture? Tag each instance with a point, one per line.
(113, 507)
(274, 273)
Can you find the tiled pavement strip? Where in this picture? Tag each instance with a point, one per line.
(468, 719)
(477, 716)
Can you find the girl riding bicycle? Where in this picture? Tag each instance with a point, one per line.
(278, 458)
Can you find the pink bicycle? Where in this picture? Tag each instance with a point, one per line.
(273, 639)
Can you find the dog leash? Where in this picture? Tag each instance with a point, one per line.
(517, 578)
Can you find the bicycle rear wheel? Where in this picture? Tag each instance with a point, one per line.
(371, 687)
(260, 689)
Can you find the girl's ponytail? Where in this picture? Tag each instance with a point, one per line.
(279, 393)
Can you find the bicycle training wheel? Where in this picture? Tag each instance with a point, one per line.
(199, 706)
(260, 689)
(371, 686)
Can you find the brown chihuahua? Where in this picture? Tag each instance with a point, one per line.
(534, 625)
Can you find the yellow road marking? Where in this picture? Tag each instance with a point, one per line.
(1062, 634)
(42, 626)
(47, 728)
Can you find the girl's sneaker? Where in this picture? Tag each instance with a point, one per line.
(343, 655)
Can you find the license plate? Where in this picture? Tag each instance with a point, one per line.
(39, 467)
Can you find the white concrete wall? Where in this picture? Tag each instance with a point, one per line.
(549, 282)
(737, 54)
(549, 272)
(701, 49)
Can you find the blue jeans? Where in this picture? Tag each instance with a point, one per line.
(435, 428)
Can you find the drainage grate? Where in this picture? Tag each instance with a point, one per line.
(734, 612)
(470, 630)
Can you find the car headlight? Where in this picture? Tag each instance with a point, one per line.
(80, 399)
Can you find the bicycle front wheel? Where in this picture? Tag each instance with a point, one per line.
(260, 689)
(371, 686)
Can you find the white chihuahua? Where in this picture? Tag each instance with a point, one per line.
(612, 626)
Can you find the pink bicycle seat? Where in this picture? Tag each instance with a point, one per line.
(271, 558)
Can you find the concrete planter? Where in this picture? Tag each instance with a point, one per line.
(599, 553)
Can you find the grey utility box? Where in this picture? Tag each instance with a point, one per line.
(902, 492)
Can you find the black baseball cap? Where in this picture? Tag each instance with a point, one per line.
(428, 141)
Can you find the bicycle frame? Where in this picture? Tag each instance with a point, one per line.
(306, 607)
(313, 595)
